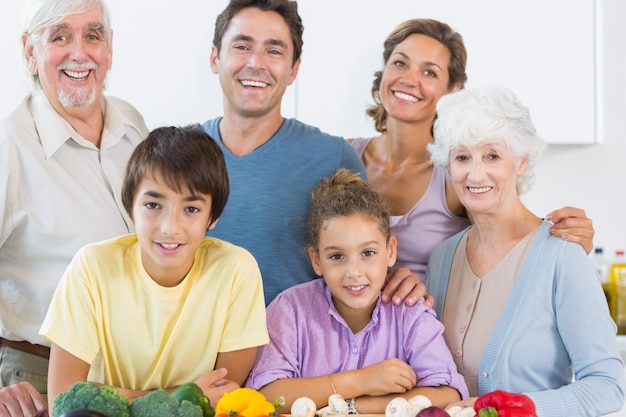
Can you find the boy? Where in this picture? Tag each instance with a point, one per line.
(166, 305)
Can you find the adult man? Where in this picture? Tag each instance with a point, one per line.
(63, 152)
(273, 162)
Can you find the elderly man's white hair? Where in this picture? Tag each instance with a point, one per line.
(41, 14)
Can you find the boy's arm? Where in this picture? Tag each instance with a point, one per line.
(235, 365)
(63, 371)
(214, 384)
(66, 369)
(238, 363)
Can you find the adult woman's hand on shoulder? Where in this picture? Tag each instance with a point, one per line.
(403, 286)
(573, 225)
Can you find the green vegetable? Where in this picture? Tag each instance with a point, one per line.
(160, 403)
(86, 395)
(194, 394)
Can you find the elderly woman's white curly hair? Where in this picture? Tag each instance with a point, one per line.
(492, 114)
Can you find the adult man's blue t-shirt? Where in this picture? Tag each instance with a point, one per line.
(270, 198)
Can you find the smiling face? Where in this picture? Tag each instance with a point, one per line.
(255, 63)
(353, 257)
(414, 78)
(170, 226)
(71, 59)
(484, 177)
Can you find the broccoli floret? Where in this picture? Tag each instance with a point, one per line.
(189, 409)
(155, 403)
(160, 403)
(110, 402)
(86, 395)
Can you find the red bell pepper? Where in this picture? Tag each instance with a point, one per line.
(500, 403)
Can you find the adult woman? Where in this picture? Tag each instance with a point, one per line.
(424, 60)
(518, 305)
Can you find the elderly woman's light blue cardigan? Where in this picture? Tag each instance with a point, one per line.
(554, 327)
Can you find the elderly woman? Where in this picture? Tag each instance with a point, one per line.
(523, 311)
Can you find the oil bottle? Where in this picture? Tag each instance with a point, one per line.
(617, 281)
(603, 266)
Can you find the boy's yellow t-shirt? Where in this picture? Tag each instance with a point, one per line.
(148, 336)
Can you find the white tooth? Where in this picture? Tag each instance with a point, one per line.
(77, 74)
(252, 83)
(479, 189)
(169, 245)
(405, 96)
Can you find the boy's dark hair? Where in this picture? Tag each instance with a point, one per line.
(186, 157)
(288, 9)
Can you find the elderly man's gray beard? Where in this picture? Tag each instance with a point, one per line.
(77, 97)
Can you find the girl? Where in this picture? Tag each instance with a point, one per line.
(334, 335)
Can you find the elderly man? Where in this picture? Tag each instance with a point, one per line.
(63, 152)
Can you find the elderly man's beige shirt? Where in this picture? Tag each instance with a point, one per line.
(58, 192)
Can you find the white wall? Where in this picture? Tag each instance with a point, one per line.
(525, 45)
(161, 65)
(594, 177)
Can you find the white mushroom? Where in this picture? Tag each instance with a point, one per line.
(328, 411)
(395, 406)
(458, 411)
(411, 410)
(338, 404)
(420, 401)
(337, 407)
(324, 411)
(454, 410)
(467, 412)
(400, 407)
(303, 407)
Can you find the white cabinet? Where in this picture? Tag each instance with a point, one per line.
(544, 50)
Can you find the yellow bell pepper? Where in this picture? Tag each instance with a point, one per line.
(244, 402)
